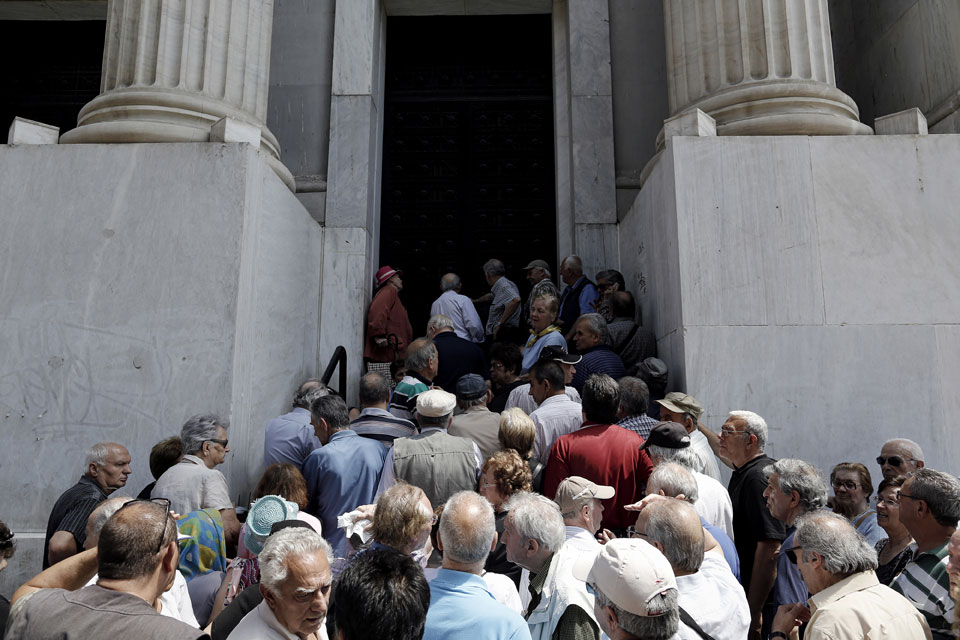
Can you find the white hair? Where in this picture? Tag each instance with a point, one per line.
(674, 479)
(686, 457)
(537, 517)
(467, 537)
(755, 425)
(97, 454)
(280, 546)
(908, 445)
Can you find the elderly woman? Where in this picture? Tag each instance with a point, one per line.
(518, 432)
(544, 329)
(852, 488)
(894, 552)
(502, 475)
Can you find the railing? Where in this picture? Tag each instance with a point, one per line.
(339, 357)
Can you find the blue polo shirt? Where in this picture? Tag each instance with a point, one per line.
(461, 606)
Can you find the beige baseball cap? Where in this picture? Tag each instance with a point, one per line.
(682, 403)
(574, 489)
(630, 572)
(436, 403)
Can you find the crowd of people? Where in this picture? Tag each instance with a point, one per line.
(496, 483)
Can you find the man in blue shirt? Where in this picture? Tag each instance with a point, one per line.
(461, 606)
(290, 437)
(579, 295)
(592, 340)
(343, 474)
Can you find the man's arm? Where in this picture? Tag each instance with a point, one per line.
(487, 297)
(471, 322)
(62, 546)
(70, 574)
(761, 580)
(714, 441)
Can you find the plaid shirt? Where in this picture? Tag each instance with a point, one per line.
(641, 424)
(925, 583)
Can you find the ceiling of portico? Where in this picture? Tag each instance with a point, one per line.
(53, 9)
(465, 7)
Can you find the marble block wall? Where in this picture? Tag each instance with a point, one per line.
(145, 284)
(812, 280)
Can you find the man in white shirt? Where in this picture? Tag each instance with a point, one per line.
(686, 410)
(459, 308)
(521, 396)
(581, 506)
(556, 414)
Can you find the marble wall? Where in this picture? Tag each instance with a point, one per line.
(812, 280)
(189, 284)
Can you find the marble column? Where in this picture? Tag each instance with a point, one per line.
(172, 68)
(758, 67)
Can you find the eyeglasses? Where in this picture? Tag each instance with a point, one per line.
(496, 365)
(434, 520)
(222, 443)
(633, 533)
(591, 590)
(890, 502)
(850, 485)
(164, 504)
(904, 495)
(894, 461)
(730, 431)
(792, 553)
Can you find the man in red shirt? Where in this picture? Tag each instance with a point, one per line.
(602, 452)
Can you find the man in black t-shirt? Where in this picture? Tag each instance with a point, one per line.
(757, 534)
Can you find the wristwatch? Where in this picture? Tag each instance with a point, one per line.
(777, 634)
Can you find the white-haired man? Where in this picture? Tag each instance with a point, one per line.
(459, 308)
(578, 295)
(837, 565)
(460, 602)
(559, 605)
(757, 533)
(898, 457)
(295, 582)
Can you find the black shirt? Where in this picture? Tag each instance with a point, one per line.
(501, 395)
(752, 521)
(71, 511)
(457, 357)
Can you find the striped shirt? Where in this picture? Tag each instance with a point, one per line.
(925, 583)
(71, 511)
(556, 416)
(504, 292)
(403, 402)
(382, 425)
(641, 424)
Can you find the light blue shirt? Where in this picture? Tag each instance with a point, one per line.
(289, 438)
(532, 353)
(866, 524)
(460, 309)
(461, 606)
(340, 477)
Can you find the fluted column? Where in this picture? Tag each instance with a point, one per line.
(758, 67)
(172, 68)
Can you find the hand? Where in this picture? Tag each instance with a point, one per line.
(366, 512)
(605, 535)
(790, 616)
(496, 330)
(653, 497)
(380, 342)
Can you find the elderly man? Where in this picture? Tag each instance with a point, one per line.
(460, 603)
(382, 594)
(556, 414)
(837, 565)
(422, 364)
(757, 533)
(632, 415)
(295, 581)
(670, 442)
(434, 460)
(636, 591)
(852, 488)
(388, 330)
(578, 295)
(374, 421)
(592, 340)
(521, 396)
(898, 457)
(476, 422)
(929, 509)
(290, 437)
(459, 308)
(504, 299)
(193, 483)
(456, 357)
(342, 474)
(136, 560)
(581, 505)
(538, 275)
(602, 451)
(794, 489)
(506, 360)
(559, 606)
(631, 341)
(953, 564)
(686, 410)
(106, 467)
(710, 596)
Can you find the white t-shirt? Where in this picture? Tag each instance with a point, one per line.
(713, 504)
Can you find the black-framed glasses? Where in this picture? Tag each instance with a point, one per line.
(889, 502)
(894, 461)
(222, 443)
(905, 495)
(792, 553)
(850, 485)
(160, 502)
(633, 533)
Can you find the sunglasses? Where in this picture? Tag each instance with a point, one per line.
(792, 553)
(895, 461)
(222, 443)
(162, 503)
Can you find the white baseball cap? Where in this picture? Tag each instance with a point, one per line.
(630, 572)
(436, 403)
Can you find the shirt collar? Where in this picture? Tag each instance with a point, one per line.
(850, 584)
(193, 459)
(377, 411)
(93, 483)
(538, 579)
(269, 619)
(342, 433)
(414, 374)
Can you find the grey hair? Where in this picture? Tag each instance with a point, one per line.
(755, 425)
(686, 457)
(941, 492)
(374, 388)
(674, 479)
(309, 391)
(634, 396)
(200, 429)
(434, 421)
(280, 546)
(449, 282)
(439, 321)
(97, 454)
(574, 263)
(419, 354)
(912, 447)
(467, 539)
(103, 511)
(649, 627)
(494, 267)
(802, 477)
(597, 325)
(537, 517)
(476, 402)
(665, 524)
(844, 551)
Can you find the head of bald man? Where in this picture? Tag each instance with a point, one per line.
(674, 527)
(468, 532)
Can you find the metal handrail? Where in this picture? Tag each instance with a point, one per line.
(339, 357)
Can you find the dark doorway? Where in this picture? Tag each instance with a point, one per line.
(468, 166)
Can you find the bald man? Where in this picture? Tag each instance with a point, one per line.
(898, 457)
